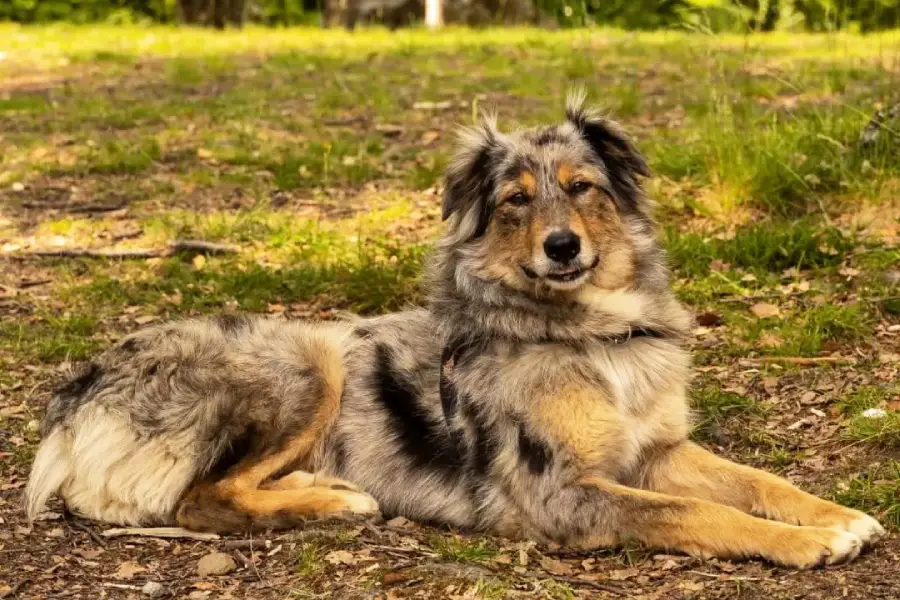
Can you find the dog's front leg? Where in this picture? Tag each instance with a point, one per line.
(689, 470)
(595, 512)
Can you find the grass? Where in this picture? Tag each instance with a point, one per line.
(876, 493)
(462, 549)
(872, 421)
(285, 144)
(310, 559)
(714, 407)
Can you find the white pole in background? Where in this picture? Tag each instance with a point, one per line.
(434, 16)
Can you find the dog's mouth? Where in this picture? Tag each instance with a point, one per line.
(565, 275)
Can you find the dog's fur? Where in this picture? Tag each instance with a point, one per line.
(529, 398)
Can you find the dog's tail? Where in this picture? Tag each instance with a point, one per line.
(52, 466)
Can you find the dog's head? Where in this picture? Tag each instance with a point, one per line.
(548, 209)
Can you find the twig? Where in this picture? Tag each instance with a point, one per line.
(724, 576)
(241, 557)
(121, 586)
(612, 589)
(86, 253)
(255, 570)
(97, 539)
(238, 544)
(162, 532)
(761, 297)
(198, 246)
(98, 208)
(806, 360)
(401, 550)
(24, 285)
(208, 248)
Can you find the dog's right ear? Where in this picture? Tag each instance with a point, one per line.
(469, 179)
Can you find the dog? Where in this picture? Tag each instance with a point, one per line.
(540, 394)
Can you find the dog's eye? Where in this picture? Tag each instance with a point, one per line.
(579, 187)
(518, 199)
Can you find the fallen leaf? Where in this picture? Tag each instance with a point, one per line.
(127, 570)
(691, 586)
(428, 137)
(143, 320)
(340, 557)
(848, 272)
(709, 318)
(556, 567)
(808, 397)
(765, 310)
(215, 563)
(392, 577)
(719, 266)
(770, 340)
(748, 277)
(199, 262)
(432, 105)
(204, 153)
(398, 522)
(623, 574)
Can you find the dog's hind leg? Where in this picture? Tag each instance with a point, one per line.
(688, 470)
(250, 494)
(246, 496)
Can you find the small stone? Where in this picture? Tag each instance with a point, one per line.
(874, 413)
(18, 186)
(215, 563)
(153, 589)
(891, 277)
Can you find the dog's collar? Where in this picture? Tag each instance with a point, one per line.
(457, 347)
(632, 333)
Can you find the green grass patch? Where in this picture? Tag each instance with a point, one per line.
(365, 285)
(714, 407)
(51, 339)
(807, 332)
(773, 246)
(310, 559)
(876, 493)
(462, 549)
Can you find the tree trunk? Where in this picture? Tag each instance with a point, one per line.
(236, 12)
(189, 11)
(434, 13)
(219, 13)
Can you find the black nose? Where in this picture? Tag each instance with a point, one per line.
(562, 246)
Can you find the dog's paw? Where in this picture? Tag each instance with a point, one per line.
(357, 503)
(867, 529)
(809, 547)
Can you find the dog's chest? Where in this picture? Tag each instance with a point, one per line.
(610, 405)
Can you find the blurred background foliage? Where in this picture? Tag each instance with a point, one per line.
(704, 15)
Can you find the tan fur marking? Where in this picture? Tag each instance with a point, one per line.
(706, 529)
(689, 470)
(584, 420)
(566, 174)
(528, 183)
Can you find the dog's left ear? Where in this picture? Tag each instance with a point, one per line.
(469, 179)
(623, 162)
